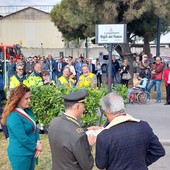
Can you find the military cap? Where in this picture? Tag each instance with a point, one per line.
(75, 97)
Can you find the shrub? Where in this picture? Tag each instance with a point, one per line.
(46, 102)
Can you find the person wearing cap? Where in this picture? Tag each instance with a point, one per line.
(70, 146)
(65, 79)
(125, 143)
(34, 79)
(87, 79)
(18, 77)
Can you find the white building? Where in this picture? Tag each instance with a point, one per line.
(31, 28)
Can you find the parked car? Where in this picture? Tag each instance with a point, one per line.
(104, 59)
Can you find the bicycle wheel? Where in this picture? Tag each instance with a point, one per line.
(143, 97)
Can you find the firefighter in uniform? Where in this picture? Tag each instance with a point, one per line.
(87, 79)
(65, 79)
(18, 77)
(70, 146)
(35, 79)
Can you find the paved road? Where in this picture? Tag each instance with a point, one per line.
(158, 116)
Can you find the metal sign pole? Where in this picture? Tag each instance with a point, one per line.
(110, 68)
(111, 48)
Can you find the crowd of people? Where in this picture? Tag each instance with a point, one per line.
(153, 73)
(36, 71)
(82, 72)
(124, 142)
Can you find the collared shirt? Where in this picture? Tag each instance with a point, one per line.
(59, 65)
(70, 116)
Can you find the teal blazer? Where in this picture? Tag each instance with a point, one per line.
(22, 137)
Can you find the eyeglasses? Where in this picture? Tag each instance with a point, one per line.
(45, 75)
(20, 69)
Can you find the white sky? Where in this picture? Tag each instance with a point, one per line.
(164, 38)
(10, 6)
(28, 2)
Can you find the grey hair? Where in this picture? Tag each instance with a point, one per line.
(66, 67)
(85, 65)
(113, 103)
(19, 65)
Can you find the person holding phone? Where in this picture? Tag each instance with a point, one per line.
(46, 78)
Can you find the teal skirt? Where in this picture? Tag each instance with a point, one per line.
(22, 162)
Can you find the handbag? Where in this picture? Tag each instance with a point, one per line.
(126, 76)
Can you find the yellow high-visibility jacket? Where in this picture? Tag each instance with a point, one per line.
(87, 81)
(67, 82)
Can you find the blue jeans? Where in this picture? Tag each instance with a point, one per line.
(158, 87)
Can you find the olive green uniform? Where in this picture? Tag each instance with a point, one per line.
(69, 145)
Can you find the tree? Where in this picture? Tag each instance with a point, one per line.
(60, 15)
(79, 17)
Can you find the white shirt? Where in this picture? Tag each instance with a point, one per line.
(72, 69)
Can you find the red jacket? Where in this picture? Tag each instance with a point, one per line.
(166, 73)
(158, 71)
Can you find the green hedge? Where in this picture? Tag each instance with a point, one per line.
(46, 102)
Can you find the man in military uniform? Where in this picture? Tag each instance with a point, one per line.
(35, 79)
(69, 144)
(87, 79)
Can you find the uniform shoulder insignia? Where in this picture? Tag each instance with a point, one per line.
(79, 130)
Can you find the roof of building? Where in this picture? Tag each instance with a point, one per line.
(22, 10)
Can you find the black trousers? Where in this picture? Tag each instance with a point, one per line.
(99, 80)
(125, 82)
(168, 94)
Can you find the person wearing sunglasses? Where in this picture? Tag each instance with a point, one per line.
(18, 77)
(46, 78)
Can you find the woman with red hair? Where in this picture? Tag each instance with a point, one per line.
(24, 141)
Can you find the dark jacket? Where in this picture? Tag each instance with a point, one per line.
(69, 145)
(92, 68)
(113, 70)
(128, 146)
(56, 68)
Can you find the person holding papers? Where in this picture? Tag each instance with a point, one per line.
(24, 141)
(125, 143)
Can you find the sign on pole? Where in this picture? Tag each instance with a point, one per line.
(111, 33)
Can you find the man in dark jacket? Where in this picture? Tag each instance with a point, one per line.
(126, 143)
(59, 67)
(69, 144)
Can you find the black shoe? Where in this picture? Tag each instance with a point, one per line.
(166, 104)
